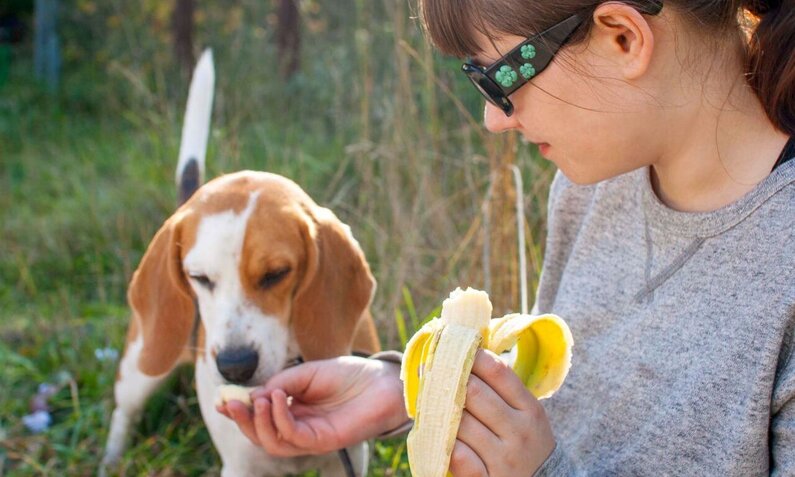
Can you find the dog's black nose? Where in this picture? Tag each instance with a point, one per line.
(237, 365)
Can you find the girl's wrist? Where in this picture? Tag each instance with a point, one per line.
(399, 422)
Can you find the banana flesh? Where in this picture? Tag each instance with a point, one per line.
(438, 360)
(233, 392)
(436, 373)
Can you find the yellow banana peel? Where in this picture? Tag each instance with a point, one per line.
(438, 360)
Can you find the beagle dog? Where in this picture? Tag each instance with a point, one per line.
(247, 277)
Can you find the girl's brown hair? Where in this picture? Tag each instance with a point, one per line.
(454, 26)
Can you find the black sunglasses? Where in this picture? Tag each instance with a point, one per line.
(528, 59)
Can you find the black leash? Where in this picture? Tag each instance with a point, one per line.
(343, 453)
(345, 457)
(346, 462)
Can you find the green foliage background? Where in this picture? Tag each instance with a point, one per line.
(375, 126)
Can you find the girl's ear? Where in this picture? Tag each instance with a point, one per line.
(623, 35)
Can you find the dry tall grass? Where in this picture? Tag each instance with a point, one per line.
(377, 127)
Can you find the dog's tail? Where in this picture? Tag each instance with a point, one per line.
(196, 128)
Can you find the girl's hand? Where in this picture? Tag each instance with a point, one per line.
(332, 404)
(504, 430)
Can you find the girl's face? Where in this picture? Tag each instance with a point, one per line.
(581, 112)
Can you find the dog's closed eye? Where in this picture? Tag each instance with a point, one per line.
(273, 277)
(203, 280)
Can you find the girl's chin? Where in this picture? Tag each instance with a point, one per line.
(586, 177)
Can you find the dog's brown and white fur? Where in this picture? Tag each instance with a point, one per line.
(270, 276)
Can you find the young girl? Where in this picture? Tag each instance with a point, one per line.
(669, 251)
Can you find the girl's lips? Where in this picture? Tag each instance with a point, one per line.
(543, 148)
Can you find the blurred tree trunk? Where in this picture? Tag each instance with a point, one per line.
(503, 254)
(288, 38)
(46, 46)
(182, 29)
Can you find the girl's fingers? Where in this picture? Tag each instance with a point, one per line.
(501, 378)
(285, 424)
(283, 419)
(242, 415)
(477, 436)
(267, 433)
(221, 408)
(486, 406)
(464, 462)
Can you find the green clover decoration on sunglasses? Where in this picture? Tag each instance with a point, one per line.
(527, 70)
(506, 76)
(528, 51)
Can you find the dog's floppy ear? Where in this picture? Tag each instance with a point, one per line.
(160, 298)
(335, 292)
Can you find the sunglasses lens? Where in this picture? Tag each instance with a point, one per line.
(488, 89)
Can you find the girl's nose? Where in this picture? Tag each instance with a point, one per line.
(496, 121)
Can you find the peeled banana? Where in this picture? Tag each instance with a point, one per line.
(438, 360)
(233, 392)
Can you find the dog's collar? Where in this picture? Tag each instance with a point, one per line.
(293, 362)
(300, 359)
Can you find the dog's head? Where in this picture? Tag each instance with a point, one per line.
(274, 275)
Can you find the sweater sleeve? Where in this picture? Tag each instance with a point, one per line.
(558, 464)
(394, 357)
(782, 425)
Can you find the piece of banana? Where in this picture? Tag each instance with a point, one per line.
(233, 392)
(438, 360)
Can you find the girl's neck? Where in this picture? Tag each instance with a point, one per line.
(723, 146)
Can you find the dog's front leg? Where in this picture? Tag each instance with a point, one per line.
(131, 391)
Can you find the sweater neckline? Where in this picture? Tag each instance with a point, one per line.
(708, 224)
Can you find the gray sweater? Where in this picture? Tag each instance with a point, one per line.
(683, 330)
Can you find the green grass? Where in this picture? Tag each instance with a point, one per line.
(86, 180)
